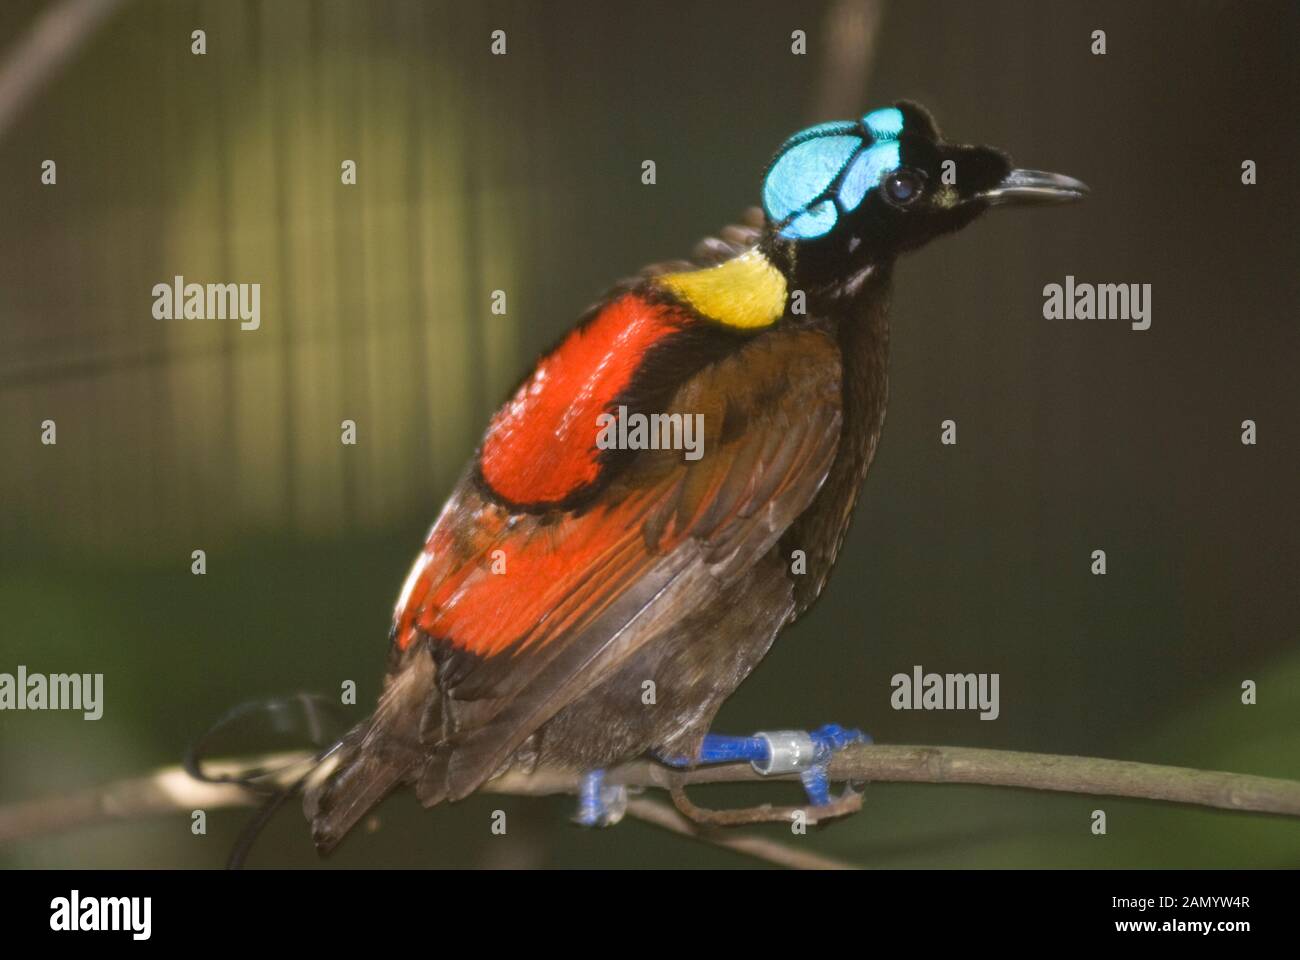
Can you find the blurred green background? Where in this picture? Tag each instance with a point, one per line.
(522, 173)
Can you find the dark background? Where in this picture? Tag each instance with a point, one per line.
(523, 173)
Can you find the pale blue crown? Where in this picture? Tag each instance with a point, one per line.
(823, 173)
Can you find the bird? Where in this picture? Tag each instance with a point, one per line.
(564, 578)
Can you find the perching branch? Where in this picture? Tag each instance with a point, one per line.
(996, 768)
(171, 789)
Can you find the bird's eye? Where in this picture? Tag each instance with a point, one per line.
(902, 187)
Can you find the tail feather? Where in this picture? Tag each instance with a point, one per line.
(374, 758)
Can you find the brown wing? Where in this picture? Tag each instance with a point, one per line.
(575, 594)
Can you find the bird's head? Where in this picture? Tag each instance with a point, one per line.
(840, 197)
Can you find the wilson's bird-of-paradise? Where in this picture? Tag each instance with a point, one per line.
(564, 574)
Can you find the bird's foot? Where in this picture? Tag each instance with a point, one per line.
(600, 804)
(805, 752)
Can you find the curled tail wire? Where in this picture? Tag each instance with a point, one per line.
(284, 715)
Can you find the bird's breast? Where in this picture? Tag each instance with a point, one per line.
(861, 322)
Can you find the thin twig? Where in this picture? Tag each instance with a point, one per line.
(847, 46)
(781, 854)
(850, 802)
(56, 35)
(172, 789)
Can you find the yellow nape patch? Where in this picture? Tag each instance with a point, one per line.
(746, 291)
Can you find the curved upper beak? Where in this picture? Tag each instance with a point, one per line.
(1034, 186)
